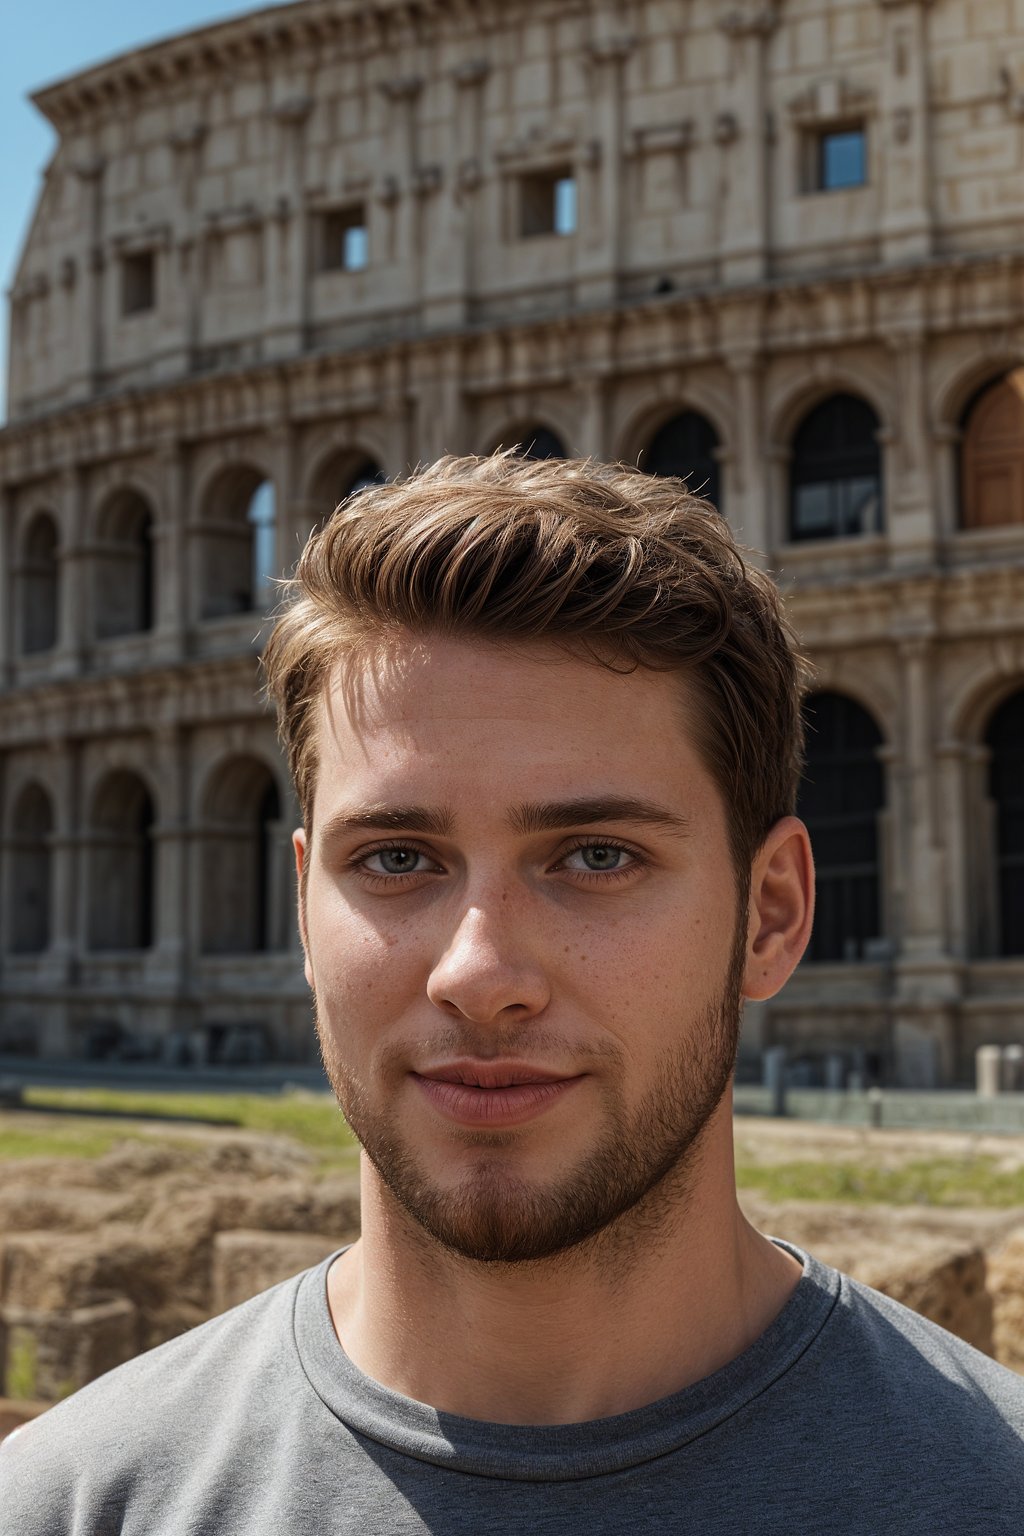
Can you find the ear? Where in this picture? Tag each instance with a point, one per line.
(301, 853)
(781, 908)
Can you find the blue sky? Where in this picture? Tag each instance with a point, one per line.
(43, 41)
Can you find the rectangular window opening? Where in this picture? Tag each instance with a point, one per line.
(138, 283)
(839, 159)
(547, 203)
(344, 240)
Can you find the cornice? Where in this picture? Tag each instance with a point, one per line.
(268, 33)
(192, 406)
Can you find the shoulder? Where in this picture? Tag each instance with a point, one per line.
(920, 1361)
(92, 1452)
(926, 1409)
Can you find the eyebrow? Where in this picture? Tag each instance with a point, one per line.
(436, 822)
(545, 816)
(552, 816)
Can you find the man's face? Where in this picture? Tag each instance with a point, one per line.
(520, 917)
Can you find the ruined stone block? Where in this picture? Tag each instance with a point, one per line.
(246, 1262)
(48, 1355)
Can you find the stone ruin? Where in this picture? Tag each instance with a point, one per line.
(101, 1260)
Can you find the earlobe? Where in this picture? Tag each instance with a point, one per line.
(301, 850)
(781, 909)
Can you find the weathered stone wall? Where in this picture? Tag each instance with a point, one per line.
(703, 274)
(100, 1261)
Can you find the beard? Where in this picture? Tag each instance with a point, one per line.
(495, 1216)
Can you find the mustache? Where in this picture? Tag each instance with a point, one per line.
(496, 1041)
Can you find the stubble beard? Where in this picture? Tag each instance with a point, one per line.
(497, 1217)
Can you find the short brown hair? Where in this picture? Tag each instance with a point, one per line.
(627, 568)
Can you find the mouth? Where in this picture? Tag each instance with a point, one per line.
(493, 1094)
(492, 1074)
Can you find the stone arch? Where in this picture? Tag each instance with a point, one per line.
(29, 837)
(124, 567)
(238, 535)
(241, 858)
(686, 444)
(990, 479)
(835, 470)
(121, 865)
(1004, 739)
(792, 403)
(339, 473)
(38, 585)
(534, 440)
(652, 413)
(842, 800)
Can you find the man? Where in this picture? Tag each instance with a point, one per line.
(544, 727)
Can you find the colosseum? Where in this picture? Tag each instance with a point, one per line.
(777, 248)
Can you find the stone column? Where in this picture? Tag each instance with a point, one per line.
(169, 961)
(439, 400)
(187, 245)
(286, 236)
(403, 91)
(924, 916)
(951, 780)
(74, 615)
(8, 585)
(67, 941)
(171, 556)
(741, 132)
(599, 238)
(592, 393)
(86, 338)
(750, 517)
(463, 204)
(907, 214)
(928, 978)
(910, 497)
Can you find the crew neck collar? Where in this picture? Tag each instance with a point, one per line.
(559, 1452)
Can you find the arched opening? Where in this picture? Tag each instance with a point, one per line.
(29, 891)
(842, 795)
(539, 442)
(242, 866)
(342, 476)
(125, 599)
(686, 446)
(122, 864)
(1005, 740)
(239, 534)
(38, 586)
(836, 471)
(992, 455)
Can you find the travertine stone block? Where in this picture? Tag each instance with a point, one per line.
(245, 1263)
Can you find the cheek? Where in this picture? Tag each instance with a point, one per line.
(359, 967)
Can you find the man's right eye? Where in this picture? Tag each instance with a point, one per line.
(394, 861)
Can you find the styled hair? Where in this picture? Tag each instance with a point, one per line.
(626, 569)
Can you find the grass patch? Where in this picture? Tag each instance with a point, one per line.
(973, 1181)
(313, 1121)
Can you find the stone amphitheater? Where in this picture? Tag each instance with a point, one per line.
(776, 247)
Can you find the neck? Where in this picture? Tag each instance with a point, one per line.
(672, 1296)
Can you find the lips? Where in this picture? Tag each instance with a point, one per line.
(491, 1074)
(492, 1094)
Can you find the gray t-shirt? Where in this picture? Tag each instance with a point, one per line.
(849, 1414)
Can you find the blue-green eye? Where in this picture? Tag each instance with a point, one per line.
(394, 861)
(598, 858)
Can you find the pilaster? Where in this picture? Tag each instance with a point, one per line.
(907, 215)
(599, 238)
(741, 134)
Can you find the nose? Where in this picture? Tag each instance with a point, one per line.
(490, 971)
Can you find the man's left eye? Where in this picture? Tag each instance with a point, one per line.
(597, 857)
(394, 861)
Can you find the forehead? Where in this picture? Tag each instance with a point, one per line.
(460, 717)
